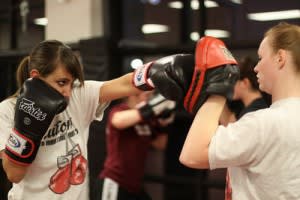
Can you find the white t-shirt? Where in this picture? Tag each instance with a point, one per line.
(63, 149)
(262, 152)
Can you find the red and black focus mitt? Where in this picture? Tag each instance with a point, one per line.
(215, 72)
(191, 78)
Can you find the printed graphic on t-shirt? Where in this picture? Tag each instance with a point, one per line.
(71, 171)
(59, 131)
(71, 165)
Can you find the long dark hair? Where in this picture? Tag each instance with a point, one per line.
(247, 65)
(45, 58)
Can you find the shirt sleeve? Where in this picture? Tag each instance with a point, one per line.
(6, 121)
(238, 144)
(86, 100)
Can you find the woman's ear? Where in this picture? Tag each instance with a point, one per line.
(244, 82)
(34, 73)
(281, 58)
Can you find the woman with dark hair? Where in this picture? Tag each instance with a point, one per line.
(247, 91)
(45, 125)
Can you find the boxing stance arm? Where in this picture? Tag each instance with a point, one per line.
(28, 129)
(126, 118)
(154, 107)
(141, 79)
(194, 153)
(15, 173)
(118, 88)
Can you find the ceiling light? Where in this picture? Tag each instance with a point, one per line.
(175, 4)
(194, 36)
(154, 2)
(154, 28)
(210, 4)
(237, 1)
(276, 15)
(41, 21)
(135, 63)
(217, 33)
(194, 4)
(207, 4)
(210, 32)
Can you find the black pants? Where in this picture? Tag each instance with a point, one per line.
(121, 193)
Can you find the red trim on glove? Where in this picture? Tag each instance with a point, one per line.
(25, 138)
(15, 161)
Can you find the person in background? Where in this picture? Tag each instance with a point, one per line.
(133, 127)
(247, 91)
(261, 150)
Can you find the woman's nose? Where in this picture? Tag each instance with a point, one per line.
(255, 68)
(67, 92)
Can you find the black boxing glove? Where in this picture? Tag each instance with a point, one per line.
(159, 71)
(155, 107)
(36, 106)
